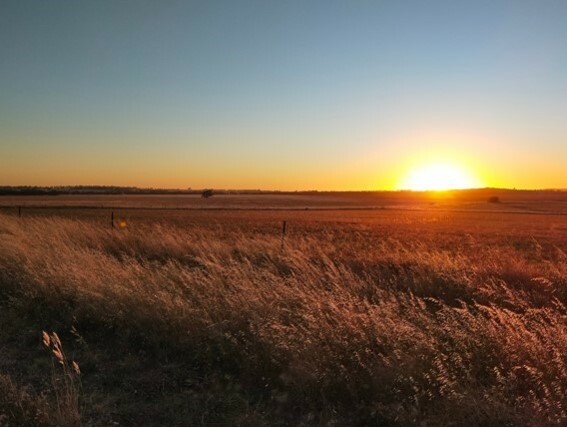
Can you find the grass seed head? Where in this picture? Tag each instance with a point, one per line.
(57, 353)
(56, 340)
(46, 340)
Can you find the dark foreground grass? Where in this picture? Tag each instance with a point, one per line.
(405, 320)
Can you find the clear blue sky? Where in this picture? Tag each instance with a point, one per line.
(281, 94)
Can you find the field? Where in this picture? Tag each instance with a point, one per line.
(371, 309)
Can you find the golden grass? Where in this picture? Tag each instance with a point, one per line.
(431, 322)
(65, 381)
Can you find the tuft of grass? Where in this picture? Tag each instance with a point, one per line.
(65, 382)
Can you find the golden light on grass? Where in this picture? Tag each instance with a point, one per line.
(439, 176)
(450, 273)
(65, 382)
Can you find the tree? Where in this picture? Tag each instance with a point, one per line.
(207, 193)
(494, 200)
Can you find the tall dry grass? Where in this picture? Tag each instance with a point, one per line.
(335, 328)
(65, 382)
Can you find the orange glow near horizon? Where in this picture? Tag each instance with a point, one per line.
(439, 176)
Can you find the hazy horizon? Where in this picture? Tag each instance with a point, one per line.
(326, 95)
(267, 190)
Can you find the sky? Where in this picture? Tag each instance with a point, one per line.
(287, 95)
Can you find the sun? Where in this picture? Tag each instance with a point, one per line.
(439, 176)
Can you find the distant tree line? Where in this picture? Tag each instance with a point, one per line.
(89, 190)
(119, 190)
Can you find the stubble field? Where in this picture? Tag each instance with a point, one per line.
(425, 310)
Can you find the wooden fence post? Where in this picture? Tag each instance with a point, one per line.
(19, 211)
(112, 219)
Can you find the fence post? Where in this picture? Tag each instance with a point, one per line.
(112, 219)
(19, 211)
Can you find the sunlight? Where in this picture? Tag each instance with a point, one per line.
(439, 176)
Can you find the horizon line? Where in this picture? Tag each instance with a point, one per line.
(259, 190)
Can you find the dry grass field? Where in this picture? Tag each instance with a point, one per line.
(386, 309)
